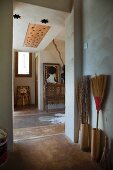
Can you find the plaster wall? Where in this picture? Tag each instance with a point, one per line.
(98, 57)
(69, 77)
(27, 81)
(6, 13)
(62, 5)
(73, 62)
(49, 55)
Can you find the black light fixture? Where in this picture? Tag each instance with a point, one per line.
(45, 21)
(16, 16)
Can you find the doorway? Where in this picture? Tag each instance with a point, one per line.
(29, 120)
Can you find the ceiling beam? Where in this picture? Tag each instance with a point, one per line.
(62, 5)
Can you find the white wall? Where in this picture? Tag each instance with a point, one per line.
(27, 81)
(6, 28)
(73, 62)
(49, 55)
(69, 78)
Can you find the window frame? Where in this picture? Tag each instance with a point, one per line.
(16, 66)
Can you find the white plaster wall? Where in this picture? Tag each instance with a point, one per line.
(27, 81)
(69, 78)
(6, 27)
(49, 55)
(73, 62)
(98, 57)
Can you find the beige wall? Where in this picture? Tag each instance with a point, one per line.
(27, 81)
(49, 55)
(6, 34)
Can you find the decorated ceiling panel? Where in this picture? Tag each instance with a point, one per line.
(35, 34)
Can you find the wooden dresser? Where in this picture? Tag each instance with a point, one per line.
(53, 94)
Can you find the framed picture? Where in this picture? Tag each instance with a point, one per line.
(51, 72)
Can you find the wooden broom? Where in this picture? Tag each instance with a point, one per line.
(98, 86)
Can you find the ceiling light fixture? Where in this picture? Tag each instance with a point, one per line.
(16, 16)
(45, 21)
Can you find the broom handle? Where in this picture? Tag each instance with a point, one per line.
(97, 119)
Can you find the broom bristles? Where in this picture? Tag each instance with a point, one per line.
(98, 85)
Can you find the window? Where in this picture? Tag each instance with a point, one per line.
(23, 64)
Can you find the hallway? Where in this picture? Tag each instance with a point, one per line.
(49, 153)
(29, 123)
(40, 143)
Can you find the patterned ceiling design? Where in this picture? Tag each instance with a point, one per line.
(34, 35)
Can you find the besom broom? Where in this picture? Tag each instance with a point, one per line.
(98, 86)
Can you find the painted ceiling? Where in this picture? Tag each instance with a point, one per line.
(30, 33)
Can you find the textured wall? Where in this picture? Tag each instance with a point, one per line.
(49, 55)
(98, 57)
(6, 13)
(69, 78)
(27, 81)
(73, 63)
